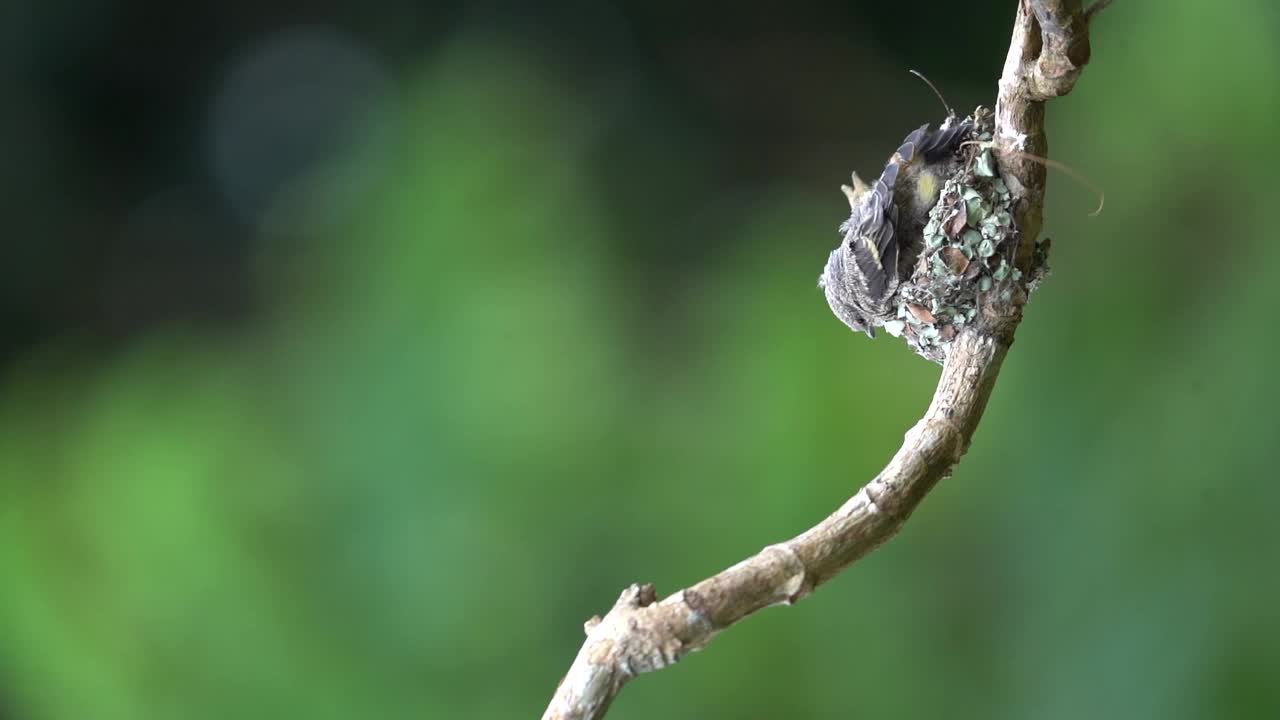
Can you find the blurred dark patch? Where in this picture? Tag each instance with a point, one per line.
(115, 230)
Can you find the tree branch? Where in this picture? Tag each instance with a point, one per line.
(640, 634)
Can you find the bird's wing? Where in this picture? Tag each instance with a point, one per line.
(871, 236)
(871, 231)
(936, 144)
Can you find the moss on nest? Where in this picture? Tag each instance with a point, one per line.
(967, 256)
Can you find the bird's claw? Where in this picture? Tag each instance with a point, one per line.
(857, 190)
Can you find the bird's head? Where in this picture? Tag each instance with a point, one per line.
(834, 282)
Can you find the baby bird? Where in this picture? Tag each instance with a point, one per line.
(883, 236)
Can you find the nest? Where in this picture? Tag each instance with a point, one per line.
(967, 257)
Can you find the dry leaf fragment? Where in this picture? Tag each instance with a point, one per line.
(956, 223)
(921, 313)
(955, 260)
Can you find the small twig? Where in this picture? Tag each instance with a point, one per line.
(641, 634)
(1096, 8)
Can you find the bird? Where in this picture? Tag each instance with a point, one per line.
(882, 239)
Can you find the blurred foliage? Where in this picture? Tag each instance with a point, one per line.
(523, 342)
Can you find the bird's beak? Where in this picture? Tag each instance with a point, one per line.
(871, 332)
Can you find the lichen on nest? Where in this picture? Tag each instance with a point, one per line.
(967, 256)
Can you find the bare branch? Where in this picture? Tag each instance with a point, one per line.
(1047, 51)
(641, 634)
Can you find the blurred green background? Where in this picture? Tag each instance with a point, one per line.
(353, 354)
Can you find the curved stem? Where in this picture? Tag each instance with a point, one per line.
(641, 634)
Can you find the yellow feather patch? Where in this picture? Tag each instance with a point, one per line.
(927, 188)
